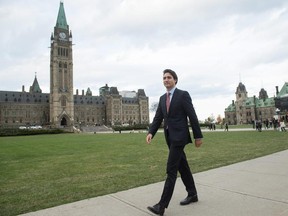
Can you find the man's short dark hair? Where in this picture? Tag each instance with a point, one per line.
(173, 74)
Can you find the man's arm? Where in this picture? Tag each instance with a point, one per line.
(149, 138)
(190, 111)
(157, 120)
(198, 142)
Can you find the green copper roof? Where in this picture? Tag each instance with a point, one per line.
(268, 102)
(89, 92)
(250, 102)
(284, 91)
(35, 88)
(231, 108)
(61, 19)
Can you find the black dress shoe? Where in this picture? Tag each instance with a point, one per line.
(156, 209)
(189, 199)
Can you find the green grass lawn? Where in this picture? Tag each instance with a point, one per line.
(42, 171)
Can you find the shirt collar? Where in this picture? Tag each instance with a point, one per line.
(172, 91)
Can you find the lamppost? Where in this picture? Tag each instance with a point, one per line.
(277, 111)
(278, 117)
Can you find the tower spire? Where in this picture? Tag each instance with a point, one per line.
(35, 88)
(61, 19)
(61, 73)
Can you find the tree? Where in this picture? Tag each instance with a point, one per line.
(219, 119)
(154, 106)
(211, 118)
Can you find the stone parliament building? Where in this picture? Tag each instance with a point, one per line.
(247, 110)
(61, 108)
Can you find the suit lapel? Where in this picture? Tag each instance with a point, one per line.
(173, 99)
(164, 107)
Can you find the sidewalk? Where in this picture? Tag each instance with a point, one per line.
(257, 187)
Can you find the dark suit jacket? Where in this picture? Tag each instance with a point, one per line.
(176, 120)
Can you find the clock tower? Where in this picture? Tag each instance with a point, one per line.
(61, 74)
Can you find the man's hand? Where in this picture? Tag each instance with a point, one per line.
(198, 142)
(149, 138)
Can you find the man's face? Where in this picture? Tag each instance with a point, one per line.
(168, 81)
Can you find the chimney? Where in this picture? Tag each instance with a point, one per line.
(277, 90)
(23, 88)
(82, 92)
(233, 102)
(77, 92)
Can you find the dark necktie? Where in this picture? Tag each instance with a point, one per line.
(168, 101)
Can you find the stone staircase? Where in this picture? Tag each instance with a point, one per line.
(95, 129)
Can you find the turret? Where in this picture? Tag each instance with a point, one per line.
(241, 92)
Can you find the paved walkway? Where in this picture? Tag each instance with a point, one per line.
(257, 187)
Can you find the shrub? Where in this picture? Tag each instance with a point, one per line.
(24, 132)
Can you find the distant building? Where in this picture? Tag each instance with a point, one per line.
(281, 100)
(61, 108)
(246, 110)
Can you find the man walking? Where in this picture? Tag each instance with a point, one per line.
(174, 107)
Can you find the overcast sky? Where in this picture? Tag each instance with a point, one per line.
(211, 44)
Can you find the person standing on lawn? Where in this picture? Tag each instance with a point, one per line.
(174, 107)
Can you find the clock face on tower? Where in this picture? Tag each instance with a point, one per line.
(62, 35)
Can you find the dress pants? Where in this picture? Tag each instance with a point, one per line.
(176, 162)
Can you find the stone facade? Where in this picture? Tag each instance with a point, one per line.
(61, 108)
(21, 108)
